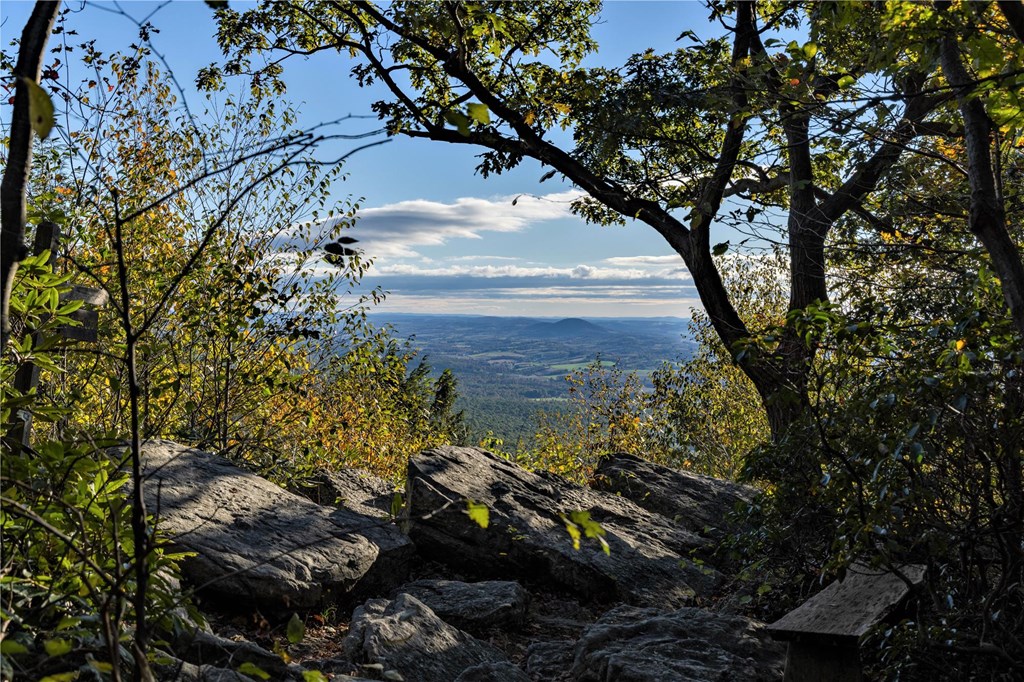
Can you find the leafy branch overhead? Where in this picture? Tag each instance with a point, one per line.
(788, 126)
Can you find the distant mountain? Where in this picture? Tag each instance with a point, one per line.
(569, 328)
(509, 368)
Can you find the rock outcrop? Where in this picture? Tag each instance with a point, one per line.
(630, 644)
(260, 547)
(353, 489)
(208, 650)
(493, 672)
(700, 504)
(473, 607)
(651, 561)
(405, 636)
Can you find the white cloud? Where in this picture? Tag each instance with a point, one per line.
(671, 259)
(477, 259)
(487, 271)
(394, 230)
(550, 301)
(391, 235)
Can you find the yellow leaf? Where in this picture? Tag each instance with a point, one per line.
(478, 513)
(574, 533)
(40, 108)
(9, 647)
(478, 112)
(253, 670)
(57, 647)
(61, 677)
(960, 344)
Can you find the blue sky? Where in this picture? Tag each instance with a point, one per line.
(445, 240)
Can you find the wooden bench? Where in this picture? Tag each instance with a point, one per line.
(824, 633)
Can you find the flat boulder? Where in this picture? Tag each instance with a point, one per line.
(260, 547)
(700, 504)
(353, 489)
(208, 650)
(474, 607)
(403, 635)
(504, 671)
(630, 644)
(173, 670)
(650, 560)
(549, 660)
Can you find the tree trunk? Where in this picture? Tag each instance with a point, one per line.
(987, 217)
(19, 158)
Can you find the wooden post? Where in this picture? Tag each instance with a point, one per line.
(27, 377)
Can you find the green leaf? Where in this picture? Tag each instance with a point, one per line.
(68, 622)
(61, 677)
(296, 629)
(57, 647)
(592, 529)
(459, 121)
(217, 4)
(479, 113)
(40, 108)
(720, 249)
(574, 533)
(9, 647)
(478, 513)
(810, 49)
(254, 670)
(313, 676)
(846, 81)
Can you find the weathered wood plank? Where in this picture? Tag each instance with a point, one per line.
(91, 295)
(846, 610)
(88, 329)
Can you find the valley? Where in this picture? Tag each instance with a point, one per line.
(509, 368)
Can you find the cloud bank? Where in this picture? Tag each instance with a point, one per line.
(395, 230)
(418, 259)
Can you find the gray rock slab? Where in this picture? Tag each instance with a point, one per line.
(404, 635)
(173, 670)
(651, 560)
(473, 607)
(630, 644)
(260, 547)
(550, 660)
(353, 489)
(494, 672)
(208, 649)
(698, 503)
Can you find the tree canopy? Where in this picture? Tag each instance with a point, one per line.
(747, 125)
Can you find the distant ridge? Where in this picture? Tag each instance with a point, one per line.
(571, 327)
